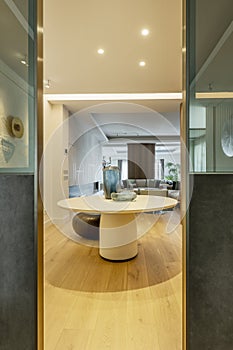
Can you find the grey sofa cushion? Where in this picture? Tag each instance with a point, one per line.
(141, 182)
(150, 183)
(157, 183)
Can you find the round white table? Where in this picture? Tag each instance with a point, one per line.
(118, 228)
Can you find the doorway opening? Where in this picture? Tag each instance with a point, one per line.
(91, 302)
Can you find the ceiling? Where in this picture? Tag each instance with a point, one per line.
(114, 125)
(144, 126)
(74, 30)
(135, 124)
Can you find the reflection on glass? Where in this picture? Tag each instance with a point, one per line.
(210, 89)
(17, 78)
(197, 146)
(227, 136)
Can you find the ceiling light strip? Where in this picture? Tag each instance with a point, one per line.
(216, 95)
(114, 97)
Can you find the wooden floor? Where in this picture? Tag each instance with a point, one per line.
(94, 304)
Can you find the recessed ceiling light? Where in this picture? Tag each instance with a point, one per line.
(100, 51)
(145, 32)
(142, 63)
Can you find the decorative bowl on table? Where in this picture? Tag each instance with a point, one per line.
(124, 196)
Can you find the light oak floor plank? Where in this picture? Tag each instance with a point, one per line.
(95, 304)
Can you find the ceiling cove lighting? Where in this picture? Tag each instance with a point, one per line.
(145, 32)
(100, 51)
(114, 97)
(142, 63)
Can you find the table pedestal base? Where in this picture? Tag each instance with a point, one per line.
(118, 236)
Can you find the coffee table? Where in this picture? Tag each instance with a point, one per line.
(118, 227)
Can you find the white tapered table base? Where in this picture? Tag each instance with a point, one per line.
(118, 236)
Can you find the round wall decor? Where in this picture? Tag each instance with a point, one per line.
(17, 127)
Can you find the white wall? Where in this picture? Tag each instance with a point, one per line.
(80, 165)
(55, 159)
(85, 151)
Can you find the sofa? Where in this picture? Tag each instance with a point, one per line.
(154, 187)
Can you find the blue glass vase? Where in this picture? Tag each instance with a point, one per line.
(111, 180)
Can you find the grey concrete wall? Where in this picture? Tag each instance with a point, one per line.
(210, 264)
(17, 263)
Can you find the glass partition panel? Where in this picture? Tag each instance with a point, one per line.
(17, 79)
(211, 86)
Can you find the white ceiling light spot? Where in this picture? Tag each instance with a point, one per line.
(142, 63)
(145, 31)
(100, 51)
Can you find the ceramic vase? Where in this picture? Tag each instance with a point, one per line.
(111, 180)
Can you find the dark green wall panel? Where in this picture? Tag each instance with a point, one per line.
(17, 263)
(210, 264)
